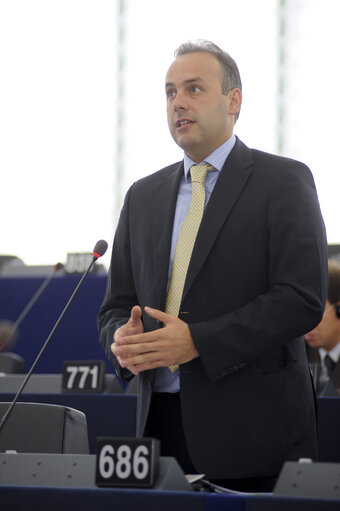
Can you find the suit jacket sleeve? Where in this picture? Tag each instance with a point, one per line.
(120, 294)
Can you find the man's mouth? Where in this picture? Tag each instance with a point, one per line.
(183, 122)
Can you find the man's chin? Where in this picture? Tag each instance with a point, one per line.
(192, 148)
(312, 343)
(185, 141)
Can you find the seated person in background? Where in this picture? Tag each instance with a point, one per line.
(323, 343)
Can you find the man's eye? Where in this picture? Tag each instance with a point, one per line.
(170, 93)
(195, 88)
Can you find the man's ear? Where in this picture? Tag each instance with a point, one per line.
(235, 101)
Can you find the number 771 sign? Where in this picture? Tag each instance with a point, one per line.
(83, 376)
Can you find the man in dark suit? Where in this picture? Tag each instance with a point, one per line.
(323, 342)
(224, 384)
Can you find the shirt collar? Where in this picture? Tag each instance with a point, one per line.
(217, 158)
(334, 353)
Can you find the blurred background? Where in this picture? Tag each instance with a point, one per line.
(83, 113)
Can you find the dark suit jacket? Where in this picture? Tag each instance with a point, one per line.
(256, 283)
(313, 357)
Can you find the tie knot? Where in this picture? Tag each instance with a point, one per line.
(199, 172)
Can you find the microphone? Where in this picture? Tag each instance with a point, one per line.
(7, 333)
(98, 251)
(12, 334)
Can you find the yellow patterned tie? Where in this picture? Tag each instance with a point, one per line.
(186, 240)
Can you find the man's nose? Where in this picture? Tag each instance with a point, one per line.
(308, 335)
(179, 103)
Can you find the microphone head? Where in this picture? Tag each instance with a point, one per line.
(100, 248)
(58, 267)
(8, 334)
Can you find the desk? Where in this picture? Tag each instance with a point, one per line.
(75, 339)
(52, 384)
(273, 503)
(65, 499)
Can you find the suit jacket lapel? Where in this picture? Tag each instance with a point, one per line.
(163, 218)
(228, 188)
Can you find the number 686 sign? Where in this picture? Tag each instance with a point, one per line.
(125, 462)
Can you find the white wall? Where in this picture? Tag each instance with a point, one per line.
(58, 104)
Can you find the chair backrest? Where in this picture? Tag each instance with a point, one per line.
(11, 363)
(44, 428)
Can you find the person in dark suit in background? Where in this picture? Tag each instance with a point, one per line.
(224, 382)
(323, 342)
